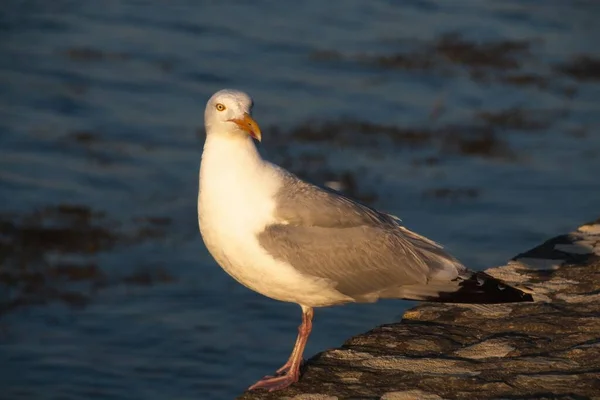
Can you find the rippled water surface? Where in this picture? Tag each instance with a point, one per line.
(475, 121)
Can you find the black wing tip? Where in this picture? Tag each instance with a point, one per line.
(481, 288)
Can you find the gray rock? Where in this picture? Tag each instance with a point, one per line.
(549, 349)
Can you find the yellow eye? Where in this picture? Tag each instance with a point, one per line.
(220, 107)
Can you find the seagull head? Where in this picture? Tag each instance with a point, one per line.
(230, 111)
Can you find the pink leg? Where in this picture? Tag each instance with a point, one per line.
(290, 372)
(288, 364)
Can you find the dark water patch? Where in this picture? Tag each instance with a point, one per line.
(157, 221)
(502, 61)
(501, 54)
(524, 79)
(326, 55)
(147, 277)
(480, 138)
(426, 161)
(408, 61)
(521, 79)
(47, 256)
(578, 133)
(349, 132)
(475, 141)
(90, 54)
(76, 89)
(64, 229)
(83, 137)
(165, 65)
(464, 139)
(452, 194)
(480, 134)
(149, 228)
(57, 284)
(104, 149)
(203, 77)
(582, 67)
(449, 48)
(521, 119)
(65, 105)
(187, 28)
(75, 272)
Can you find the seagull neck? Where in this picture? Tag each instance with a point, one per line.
(238, 150)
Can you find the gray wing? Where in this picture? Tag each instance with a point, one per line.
(326, 235)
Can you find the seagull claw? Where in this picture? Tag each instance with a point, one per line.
(272, 383)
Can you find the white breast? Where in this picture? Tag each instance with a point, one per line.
(236, 202)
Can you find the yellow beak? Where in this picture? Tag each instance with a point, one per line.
(248, 124)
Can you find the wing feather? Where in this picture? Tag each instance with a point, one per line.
(364, 252)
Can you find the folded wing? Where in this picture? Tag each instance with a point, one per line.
(364, 252)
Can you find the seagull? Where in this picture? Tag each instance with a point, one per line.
(296, 242)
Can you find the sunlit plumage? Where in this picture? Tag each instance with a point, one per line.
(297, 242)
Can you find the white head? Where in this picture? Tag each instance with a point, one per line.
(229, 112)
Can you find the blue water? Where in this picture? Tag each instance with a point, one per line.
(136, 75)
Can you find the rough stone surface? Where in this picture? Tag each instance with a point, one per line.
(549, 349)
